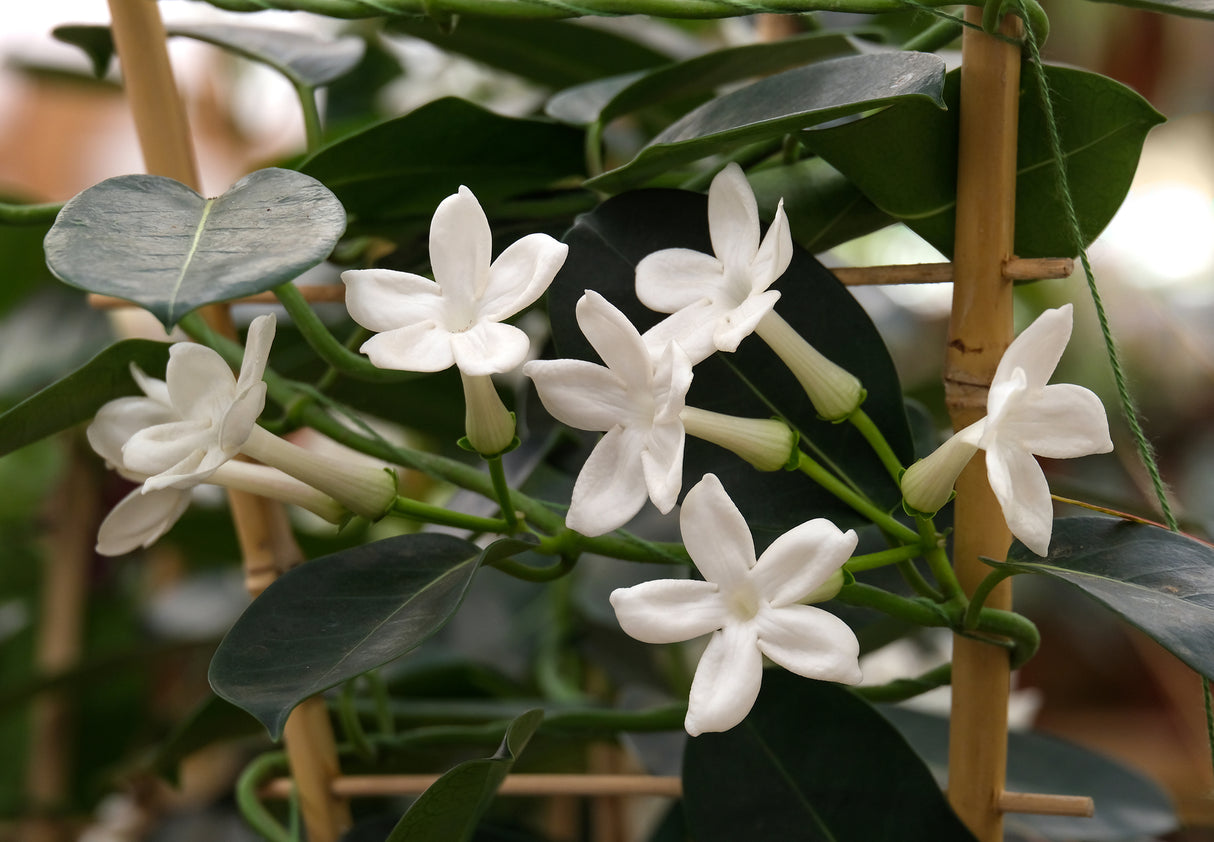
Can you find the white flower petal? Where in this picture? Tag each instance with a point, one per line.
(1038, 348)
(256, 353)
(421, 347)
(489, 348)
(800, 560)
(1063, 421)
(520, 275)
(237, 423)
(727, 681)
(163, 447)
(810, 642)
(715, 534)
(156, 390)
(140, 519)
(1024, 495)
(733, 219)
(775, 252)
(671, 380)
(200, 384)
(692, 328)
(662, 464)
(461, 246)
(381, 299)
(610, 488)
(669, 610)
(581, 394)
(616, 340)
(671, 279)
(120, 419)
(740, 322)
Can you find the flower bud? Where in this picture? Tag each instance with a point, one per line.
(835, 392)
(766, 443)
(928, 484)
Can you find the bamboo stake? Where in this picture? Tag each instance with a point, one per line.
(72, 517)
(266, 542)
(980, 330)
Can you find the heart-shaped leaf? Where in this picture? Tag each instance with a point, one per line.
(1158, 581)
(905, 159)
(1128, 804)
(78, 396)
(339, 616)
(156, 242)
(403, 168)
(605, 99)
(604, 248)
(812, 762)
(450, 809)
(777, 105)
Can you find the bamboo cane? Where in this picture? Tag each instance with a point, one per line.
(980, 330)
(266, 542)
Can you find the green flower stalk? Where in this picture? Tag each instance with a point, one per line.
(488, 424)
(766, 443)
(835, 392)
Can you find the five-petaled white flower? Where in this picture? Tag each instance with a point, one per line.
(456, 319)
(751, 608)
(201, 415)
(717, 300)
(636, 400)
(1024, 418)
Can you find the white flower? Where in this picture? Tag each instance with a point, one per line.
(751, 608)
(1024, 418)
(636, 401)
(202, 415)
(456, 319)
(717, 300)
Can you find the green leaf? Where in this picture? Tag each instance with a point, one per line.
(604, 248)
(605, 99)
(341, 615)
(1129, 805)
(1184, 8)
(551, 52)
(905, 159)
(812, 763)
(156, 242)
(78, 396)
(1161, 582)
(452, 806)
(780, 104)
(307, 60)
(403, 168)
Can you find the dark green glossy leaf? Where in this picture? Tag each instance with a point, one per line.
(823, 207)
(553, 53)
(1185, 8)
(306, 59)
(604, 248)
(403, 168)
(1159, 581)
(605, 99)
(452, 806)
(1128, 804)
(339, 616)
(780, 104)
(78, 396)
(905, 159)
(812, 763)
(156, 242)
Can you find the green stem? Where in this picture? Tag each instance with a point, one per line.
(912, 576)
(554, 657)
(1012, 630)
(550, 573)
(313, 136)
(382, 701)
(428, 513)
(250, 806)
(351, 723)
(325, 344)
(12, 214)
(902, 689)
(894, 555)
(939, 34)
(937, 559)
(920, 612)
(978, 597)
(858, 502)
(501, 489)
(860, 420)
